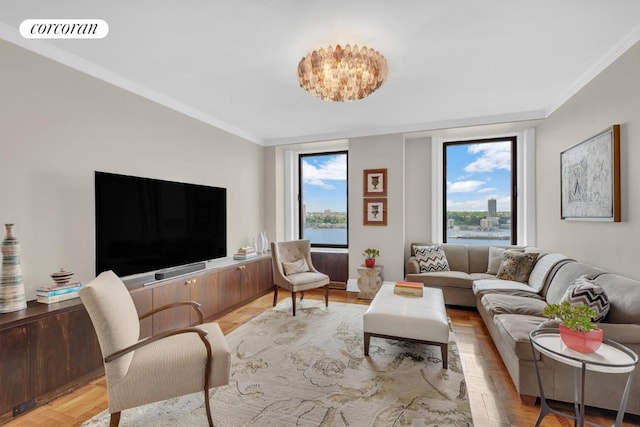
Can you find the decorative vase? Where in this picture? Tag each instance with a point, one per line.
(583, 342)
(370, 262)
(262, 242)
(12, 296)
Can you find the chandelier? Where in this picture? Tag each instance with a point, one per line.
(342, 74)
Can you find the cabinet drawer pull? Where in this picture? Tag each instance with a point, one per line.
(190, 282)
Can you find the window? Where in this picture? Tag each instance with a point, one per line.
(480, 192)
(323, 198)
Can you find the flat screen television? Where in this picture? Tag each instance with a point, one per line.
(144, 224)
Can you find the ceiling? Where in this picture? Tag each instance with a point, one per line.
(233, 63)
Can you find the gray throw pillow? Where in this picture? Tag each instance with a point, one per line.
(495, 258)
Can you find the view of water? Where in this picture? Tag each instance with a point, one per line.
(479, 237)
(338, 236)
(329, 236)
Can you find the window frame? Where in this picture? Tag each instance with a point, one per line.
(513, 185)
(300, 201)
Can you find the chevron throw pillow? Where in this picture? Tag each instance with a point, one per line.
(584, 291)
(431, 258)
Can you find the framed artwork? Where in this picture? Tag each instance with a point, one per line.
(590, 178)
(375, 183)
(375, 211)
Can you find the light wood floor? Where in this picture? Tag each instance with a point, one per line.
(494, 400)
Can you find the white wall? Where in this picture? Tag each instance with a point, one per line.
(418, 212)
(377, 152)
(57, 126)
(613, 97)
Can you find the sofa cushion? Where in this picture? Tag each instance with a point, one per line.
(495, 258)
(478, 258)
(502, 303)
(624, 298)
(431, 258)
(516, 265)
(514, 331)
(544, 265)
(585, 291)
(481, 276)
(484, 286)
(456, 279)
(565, 276)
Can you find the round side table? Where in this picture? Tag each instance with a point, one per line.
(611, 357)
(369, 281)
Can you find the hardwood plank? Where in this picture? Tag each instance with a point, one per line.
(492, 395)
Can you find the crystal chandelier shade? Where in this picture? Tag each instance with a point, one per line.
(342, 74)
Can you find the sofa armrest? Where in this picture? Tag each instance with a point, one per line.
(623, 333)
(412, 266)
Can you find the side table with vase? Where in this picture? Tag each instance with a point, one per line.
(610, 358)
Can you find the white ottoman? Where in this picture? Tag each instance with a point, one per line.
(418, 319)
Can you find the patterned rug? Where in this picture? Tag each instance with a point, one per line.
(310, 370)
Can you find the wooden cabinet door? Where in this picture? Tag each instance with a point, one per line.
(143, 300)
(229, 286)
(265, 275)
(205, 291)
(62, 348)
(249, 286)
(14, 367)
(176, 317)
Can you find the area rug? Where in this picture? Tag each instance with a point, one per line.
(310, 370)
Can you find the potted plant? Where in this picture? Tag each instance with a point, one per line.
(577, 330)
(370, 255)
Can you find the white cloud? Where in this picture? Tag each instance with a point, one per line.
(503, 204)
(494, 155)
(486, 190)
(334, 169)
(464, 186)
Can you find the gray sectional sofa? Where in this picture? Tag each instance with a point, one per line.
(510, 310)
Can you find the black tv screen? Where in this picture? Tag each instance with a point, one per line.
(144, 225)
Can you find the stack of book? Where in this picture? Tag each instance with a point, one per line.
(57, 293)
(245, 252)
(413, 289)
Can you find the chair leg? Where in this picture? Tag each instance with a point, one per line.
(326, 296)
(275, 294)
(293, 302)
(208, 407)
(115, 419)
(301, 295)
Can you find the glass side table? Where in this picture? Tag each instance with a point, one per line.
(611, 357)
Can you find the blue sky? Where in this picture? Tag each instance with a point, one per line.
(476, 173)
(325, 183)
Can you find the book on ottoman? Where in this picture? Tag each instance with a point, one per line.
(408, 288)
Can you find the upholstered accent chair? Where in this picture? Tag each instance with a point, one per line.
(166, 365)
(294, 271)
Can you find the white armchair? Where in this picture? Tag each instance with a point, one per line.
(170, 364)
(294, 271)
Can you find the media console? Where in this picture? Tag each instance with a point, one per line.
(48, 350)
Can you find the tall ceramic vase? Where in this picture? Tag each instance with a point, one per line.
(12, 296)
(262, 242)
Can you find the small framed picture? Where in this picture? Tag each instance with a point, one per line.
(375, 182)
(375, 211)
